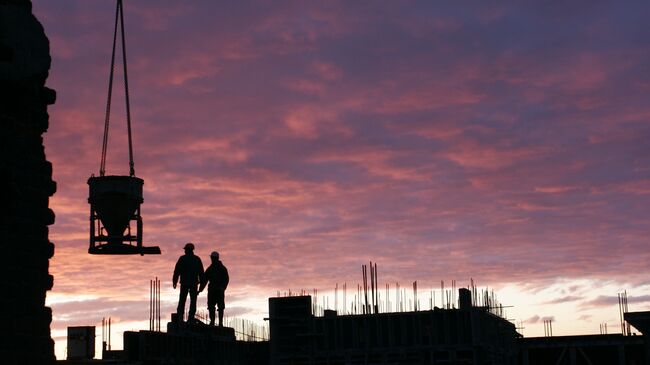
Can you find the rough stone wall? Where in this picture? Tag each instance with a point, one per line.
(25, 187)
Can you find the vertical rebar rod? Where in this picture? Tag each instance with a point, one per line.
(158, 303)
(150, 305)
(345, 294)
(376, 289)
(387, 305)
(336, 298)
(372, 289)
(620, 313)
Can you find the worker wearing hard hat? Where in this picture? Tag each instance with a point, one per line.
(190, 270)
(217, 275)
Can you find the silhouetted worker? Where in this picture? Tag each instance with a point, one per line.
(217, 275)
(190, 269)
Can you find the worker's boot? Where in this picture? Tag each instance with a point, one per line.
(221, 318)
(211, 318)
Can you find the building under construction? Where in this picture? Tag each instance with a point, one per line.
(469, 328)
(462, 333)
(467, 335)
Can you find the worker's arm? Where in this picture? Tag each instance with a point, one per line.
(176, 273)
(226, 278)
(201, 273)
(204, 280)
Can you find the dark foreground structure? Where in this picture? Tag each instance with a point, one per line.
(25, 187)
(193, 344)
(463, 336)
(588, 349)
(469, 335)
(183, 343)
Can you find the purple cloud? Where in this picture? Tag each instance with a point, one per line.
(302, 140)
(610, 301)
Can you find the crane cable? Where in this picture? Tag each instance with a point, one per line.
(119, 15)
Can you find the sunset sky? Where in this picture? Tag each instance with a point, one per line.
(442, 140)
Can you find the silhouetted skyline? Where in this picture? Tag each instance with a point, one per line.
(502, 143)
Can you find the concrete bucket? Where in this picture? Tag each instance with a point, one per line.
(115, 202)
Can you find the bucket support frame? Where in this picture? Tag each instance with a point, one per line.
(129, 244)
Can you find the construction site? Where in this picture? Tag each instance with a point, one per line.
(367, 325)
(465, 326)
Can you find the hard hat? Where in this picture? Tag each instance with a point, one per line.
(214, 254)
(189, 246)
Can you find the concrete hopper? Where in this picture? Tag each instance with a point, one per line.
(115, 202)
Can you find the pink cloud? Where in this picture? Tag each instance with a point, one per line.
(303, 140)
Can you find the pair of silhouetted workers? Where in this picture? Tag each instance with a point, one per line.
(190, 270)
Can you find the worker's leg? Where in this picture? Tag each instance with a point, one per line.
(193, 294)
(181, 302)
(221, 305)
(212, 302)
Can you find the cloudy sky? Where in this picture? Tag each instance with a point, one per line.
(442, 140)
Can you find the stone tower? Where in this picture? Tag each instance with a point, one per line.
(25, 187)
